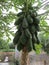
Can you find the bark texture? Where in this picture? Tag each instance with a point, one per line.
(24, 57)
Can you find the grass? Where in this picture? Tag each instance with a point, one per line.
(11, 63)
(7, 50)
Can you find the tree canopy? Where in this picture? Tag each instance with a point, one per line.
(7, 16)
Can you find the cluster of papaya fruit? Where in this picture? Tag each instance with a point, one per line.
(28, 26)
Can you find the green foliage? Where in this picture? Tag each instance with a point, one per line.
(7, 50)
(4, 44)
(44, 39)
(46, 48)
(38, 48)
(11, 46)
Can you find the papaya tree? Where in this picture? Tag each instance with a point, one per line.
(28, 28)
(27, 34)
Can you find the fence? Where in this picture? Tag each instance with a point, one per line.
(42, 59)
(9, 54)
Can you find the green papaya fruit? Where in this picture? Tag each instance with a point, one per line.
(19, 20)
(32, 29)
(29, 45)
(37, 38)
(27, 33)
(23, 39)
(33, 42)
(24, 23)
(29, 48)
(34, 47)
(30, 19)
(20, 46)
(36, 20)
(16, 38)
(38, 42)
(19, 27)
(33, 13)
(37, 27)
(33, 38)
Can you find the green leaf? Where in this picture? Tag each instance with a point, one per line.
(38, 48)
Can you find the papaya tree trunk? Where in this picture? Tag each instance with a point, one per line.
(24, 57)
